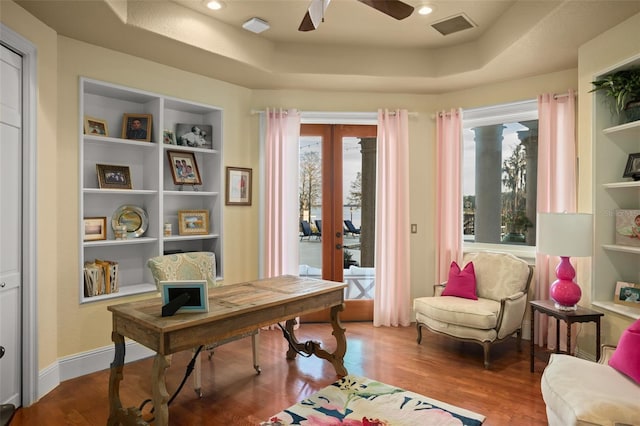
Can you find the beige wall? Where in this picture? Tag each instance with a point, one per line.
(67, 328)
(88, 326)
(598, 55)
(47, 265)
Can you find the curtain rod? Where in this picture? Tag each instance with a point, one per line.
(257, 111)
(563, 95)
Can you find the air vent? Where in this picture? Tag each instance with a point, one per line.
(453, 24)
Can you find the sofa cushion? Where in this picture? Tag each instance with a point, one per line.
(461, 283)
(480, 314)
(626, 358)
(581, 392)
(498, 275)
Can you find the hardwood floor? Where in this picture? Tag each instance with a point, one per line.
(440, 368)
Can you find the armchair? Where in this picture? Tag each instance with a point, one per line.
(196, 266)
(502, 286)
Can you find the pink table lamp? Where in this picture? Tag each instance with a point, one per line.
(565, 235)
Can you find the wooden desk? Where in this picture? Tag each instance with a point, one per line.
(233, 309)
(579, 315)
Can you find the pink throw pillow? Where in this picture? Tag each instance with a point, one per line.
(461, 283)
(626, 358)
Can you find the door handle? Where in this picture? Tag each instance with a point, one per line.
(338, 246)
(338, 235)
(3, 284)
(1, 351)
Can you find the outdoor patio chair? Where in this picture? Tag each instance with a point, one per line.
(351, 228)
(307, 231)
(319, 226)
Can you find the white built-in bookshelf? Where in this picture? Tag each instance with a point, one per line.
(153, 187)
(613, 143)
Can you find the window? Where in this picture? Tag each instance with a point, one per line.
(500, 161)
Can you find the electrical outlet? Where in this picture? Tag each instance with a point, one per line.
(414, 228)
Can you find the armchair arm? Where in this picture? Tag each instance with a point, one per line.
(438, 288)
(511, 313)
(606, 351)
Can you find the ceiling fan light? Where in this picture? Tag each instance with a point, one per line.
(425, 10)
(215, 4)
(256, 25)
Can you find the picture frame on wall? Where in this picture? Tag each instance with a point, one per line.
(184, 168)
(113, 177)
(95, 126)
(632, 168)
(193, 222)
(238, 191)
(95, 229)
(137, 127)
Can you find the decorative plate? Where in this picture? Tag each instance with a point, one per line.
(133, 217)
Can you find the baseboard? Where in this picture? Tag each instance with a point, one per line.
(86, 363)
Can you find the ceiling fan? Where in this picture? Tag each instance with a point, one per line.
(315, 15)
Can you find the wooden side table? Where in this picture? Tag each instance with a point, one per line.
(579, 315)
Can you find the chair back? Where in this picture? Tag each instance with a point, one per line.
(306, 228)
(184, 266)
(499, 275)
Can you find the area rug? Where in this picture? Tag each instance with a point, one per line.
(356, 401)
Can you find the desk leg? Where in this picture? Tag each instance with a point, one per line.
(532, 337)
(117, 414)
(159, 391)
(313, 348)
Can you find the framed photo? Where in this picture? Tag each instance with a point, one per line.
(632, 169)
(95, 228)
(137, 127)
(194, 135)
(197, 290)
(95, 127)
(184, 168)
(193, 222)
(169, 137)
(627, 294)
(113, 177)
(628, 227)
(238, 187)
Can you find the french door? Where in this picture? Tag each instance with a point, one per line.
(337, 183)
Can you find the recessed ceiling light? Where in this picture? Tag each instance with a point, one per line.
(215, 4)
(425, 10)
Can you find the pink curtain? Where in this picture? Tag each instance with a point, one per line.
(448, 191)
(393, 285)
(281, 191)
(557, 188)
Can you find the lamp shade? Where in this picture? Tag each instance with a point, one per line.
(565, 234)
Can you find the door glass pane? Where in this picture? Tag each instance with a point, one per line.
(358, 174)
(310, 206)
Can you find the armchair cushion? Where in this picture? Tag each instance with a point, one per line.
(479, 314)
(461, 283)
(626, 358)
(498, 275)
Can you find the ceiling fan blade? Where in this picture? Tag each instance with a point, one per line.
(314, 15)
(394, 8)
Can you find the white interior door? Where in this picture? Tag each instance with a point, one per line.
(10, 226)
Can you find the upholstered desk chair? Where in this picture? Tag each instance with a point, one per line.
(502, 285)
(196, 266)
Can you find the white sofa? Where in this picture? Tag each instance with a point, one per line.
(578, 392)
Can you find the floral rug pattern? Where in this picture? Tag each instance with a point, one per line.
(359, 401)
